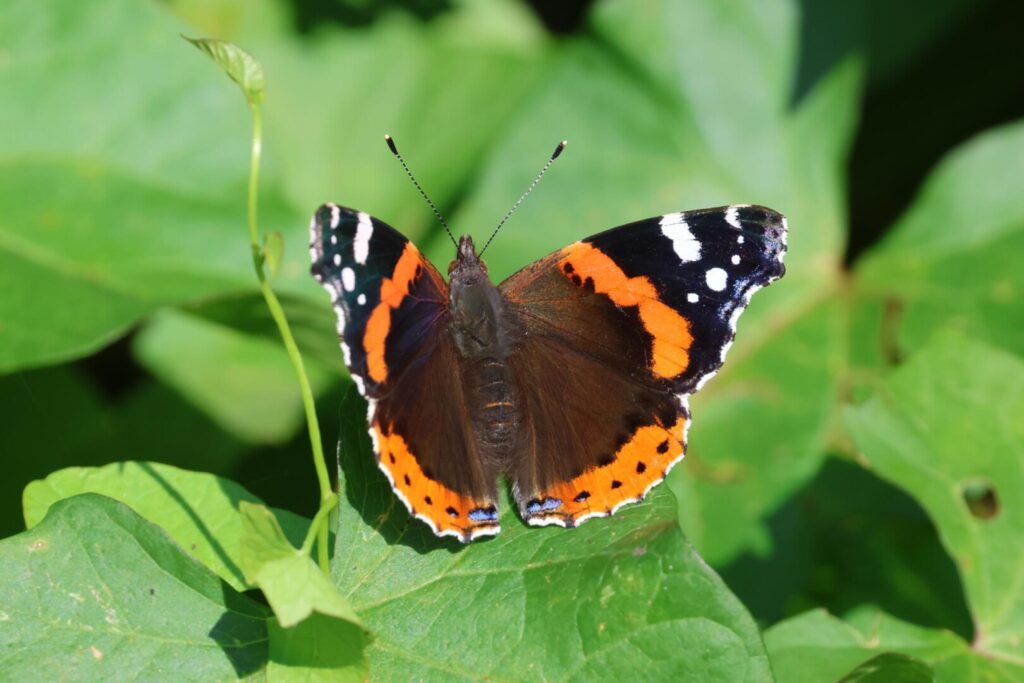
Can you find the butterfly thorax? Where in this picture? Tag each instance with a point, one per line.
(482, 328)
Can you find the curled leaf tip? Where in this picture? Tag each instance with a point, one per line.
(238, 64)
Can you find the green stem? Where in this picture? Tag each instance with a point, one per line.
(319, 521)
(327, 497)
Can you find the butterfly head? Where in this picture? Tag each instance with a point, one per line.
(467, 263)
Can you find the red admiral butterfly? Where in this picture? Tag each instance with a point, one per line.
(571, 377)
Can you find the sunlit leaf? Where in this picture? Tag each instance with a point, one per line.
(97, 592)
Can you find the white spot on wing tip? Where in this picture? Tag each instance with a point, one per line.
(732, 216)
(361, 243)
(686, 246)
(335, 216)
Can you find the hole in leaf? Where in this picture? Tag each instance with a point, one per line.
(981, 499)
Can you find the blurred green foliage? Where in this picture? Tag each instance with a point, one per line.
(860, 453)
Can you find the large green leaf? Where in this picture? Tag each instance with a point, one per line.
(615, 597)
(200, 511)
(127, 191)
(245, 383)
(85, 250)
(947, 428)
(816, 646)
(849, 539)
(113, 81)
(953, 260)
(95, 592)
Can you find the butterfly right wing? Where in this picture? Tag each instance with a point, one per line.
(392, 309)
(618, 329)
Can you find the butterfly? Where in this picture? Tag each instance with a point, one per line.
(570, 378)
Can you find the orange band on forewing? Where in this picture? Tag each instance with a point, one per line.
(669, 330)
(392, 291)
(423, 496)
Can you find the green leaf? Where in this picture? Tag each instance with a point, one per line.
(611, 598)
(129, 199)
(96, 592)
(311, 320)
(821, 538)
(167, 123)
(273, 251)
(784, 381)
(816, 646)
(890, 666)
(86, 250)
(953, 259)
(238, 64)
(293, 584)
(315, 627)
(943, 426)
(244, 383)
(200, 511)
(444, 89)
(319, 648)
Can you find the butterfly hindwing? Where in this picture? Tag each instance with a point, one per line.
(392, 311)
(619, 329)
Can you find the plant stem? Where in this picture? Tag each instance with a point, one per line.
(319, 522)
(327, 497)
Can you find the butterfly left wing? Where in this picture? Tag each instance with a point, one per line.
(392, 309)
(618, 330)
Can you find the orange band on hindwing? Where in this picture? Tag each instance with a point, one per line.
(585, 265)
(392, 291)
(638, 465)
(446, 511)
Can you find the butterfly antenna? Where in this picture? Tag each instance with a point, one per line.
(394, 150)
(554, 155)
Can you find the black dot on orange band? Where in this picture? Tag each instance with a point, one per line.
(640, 468)
(408, 482)
(428, 501)
(568, 268)
(452, 512)
(581, 496)
(616, 484)
(663, 446)
(576, 280)
(392, 458)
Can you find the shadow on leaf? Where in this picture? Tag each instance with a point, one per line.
(366, 489)
(849, 539)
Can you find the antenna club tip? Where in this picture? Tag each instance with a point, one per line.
(391, 144)
(558, 150)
